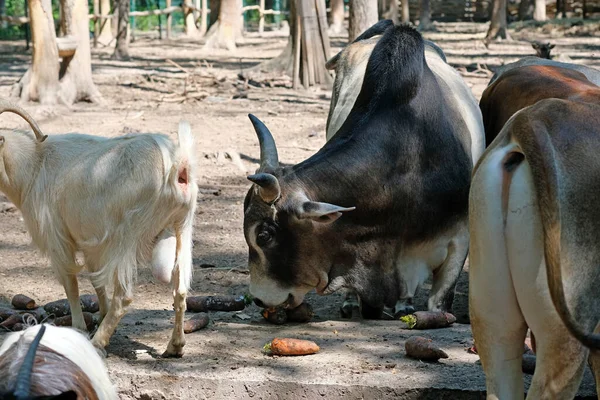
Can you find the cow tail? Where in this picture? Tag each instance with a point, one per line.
(539, 152)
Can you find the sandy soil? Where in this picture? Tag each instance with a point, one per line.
(359, 359)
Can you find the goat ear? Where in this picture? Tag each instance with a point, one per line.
(2, 140)
(536, 46)
(322, 212)
(551, 46)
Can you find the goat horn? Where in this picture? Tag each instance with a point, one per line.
(6, 105)
(24, 377)
(269, 160)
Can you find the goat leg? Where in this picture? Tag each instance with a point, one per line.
(116, 311)
(182, 264)
(72, 290)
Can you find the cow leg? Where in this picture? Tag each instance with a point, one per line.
(498, 326)
(445, 277)
(559, 366)
(116, 311)
(350, 303)
(404, 307)
(594, 362)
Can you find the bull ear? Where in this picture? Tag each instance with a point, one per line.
(332, 63)
(268, 186)
(322, 212)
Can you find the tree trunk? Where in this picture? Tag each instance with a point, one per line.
(76, 82)
(48, 80)
(405, 11)
(498, 27)
(308, 48)
(122, 46)
(363, 15)
(203, 15)
(106, 35)
(425, 16)
(526, 8)
(40, 82)
(215, 6)
(539, 14)
(190, 21)
(336, 17)
(224, 33)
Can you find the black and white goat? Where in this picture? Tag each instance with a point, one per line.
(48, 362)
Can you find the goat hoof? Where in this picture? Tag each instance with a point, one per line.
(173, 351)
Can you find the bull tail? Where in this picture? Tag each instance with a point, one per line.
(6, 105)
(538, 150)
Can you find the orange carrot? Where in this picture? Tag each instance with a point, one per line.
(291, 347)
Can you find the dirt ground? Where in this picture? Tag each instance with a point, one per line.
(359, 359)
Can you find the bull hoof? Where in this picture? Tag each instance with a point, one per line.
(404, 311)
(346, 311)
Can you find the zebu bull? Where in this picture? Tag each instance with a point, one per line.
(534, 225)
(383, 203)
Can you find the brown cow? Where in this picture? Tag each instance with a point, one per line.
(534, 232)
(525, 86)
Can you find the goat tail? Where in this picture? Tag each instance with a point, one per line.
(6, 105)
(186, 140)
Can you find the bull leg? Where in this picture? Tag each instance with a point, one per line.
(116, 311)
(445, 277)
(368, 311)
(350, 303)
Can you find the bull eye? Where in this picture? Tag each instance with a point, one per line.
(264, 237)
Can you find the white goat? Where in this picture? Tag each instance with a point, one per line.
(52, 361)
(113, 199)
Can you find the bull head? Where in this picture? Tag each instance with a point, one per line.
(285, 231)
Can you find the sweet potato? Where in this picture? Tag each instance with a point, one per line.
(195, 323)
(302, 313)
(9, 322)
(428, 320)
(89, 303)
(67, 320)
(423, 349)
(291, 347)
(5, 313)
(215, 303)
(275, 315)
(22, 302)
(58, 308)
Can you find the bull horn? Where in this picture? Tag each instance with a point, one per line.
(269, 160)
(6, 105)
(23, 384)
(268, 186)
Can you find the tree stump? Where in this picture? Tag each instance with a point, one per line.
(498, 26)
